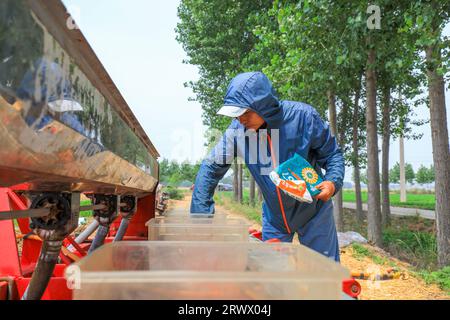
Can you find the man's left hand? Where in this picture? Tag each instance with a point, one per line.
(327, 189)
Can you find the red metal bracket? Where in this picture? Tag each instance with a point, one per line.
(3, 290)
(136, 228)
(71, 241)
(351, 287)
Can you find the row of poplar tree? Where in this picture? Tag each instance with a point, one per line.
(364, 66)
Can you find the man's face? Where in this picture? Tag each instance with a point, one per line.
(251, 120)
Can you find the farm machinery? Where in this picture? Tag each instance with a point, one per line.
(67, 134)
(71, 145)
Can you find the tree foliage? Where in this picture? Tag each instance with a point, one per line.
(394, 173)
(425, 175)
(217, 37)
(321, 51)
(173, 173)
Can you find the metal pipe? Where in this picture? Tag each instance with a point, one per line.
(42, 212)
(85, 234)
(98, 207)
(99, 239)
(30, 213)
(122, 229)
(93, 207)
(44, 269)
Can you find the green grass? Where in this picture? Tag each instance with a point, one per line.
(422, 201)
(416, 247)
(225, 199)
(360, 251)
(88, 213)
(440, 277)
(174, 193)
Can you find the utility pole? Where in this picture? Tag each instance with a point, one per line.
(402, 170)
(402, 158)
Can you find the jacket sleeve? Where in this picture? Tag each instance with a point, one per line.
(329, 154)
(211, 171)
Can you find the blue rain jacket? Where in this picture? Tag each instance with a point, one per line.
(45, 82)
(301, 130)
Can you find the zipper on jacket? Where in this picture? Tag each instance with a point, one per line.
(278, 190)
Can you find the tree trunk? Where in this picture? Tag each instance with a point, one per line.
(341, 133)
(252, 191)
(337, 205)
(441, 153)
(235, 181)
(240, 184)
(386, 209)
(373, 176)
(402, 170)
(260, 197)
(355, 144)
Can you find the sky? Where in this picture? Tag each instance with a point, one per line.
(135, 41)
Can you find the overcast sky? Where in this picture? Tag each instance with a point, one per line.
(135, 41)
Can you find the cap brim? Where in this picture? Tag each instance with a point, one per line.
(65, 105)
(232, 111)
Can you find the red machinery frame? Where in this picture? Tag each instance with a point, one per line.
(16, 269)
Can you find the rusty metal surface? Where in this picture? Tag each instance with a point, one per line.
(63, 124)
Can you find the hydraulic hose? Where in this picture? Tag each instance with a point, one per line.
(44, 269)
(85, 234)
(122, 229)
(99, 238)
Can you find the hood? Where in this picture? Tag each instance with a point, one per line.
(253, 90)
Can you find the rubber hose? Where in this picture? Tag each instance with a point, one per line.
(122, 230)
(44, 269)
(85, 234)
(99, 238)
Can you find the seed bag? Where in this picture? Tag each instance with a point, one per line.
(297, 178)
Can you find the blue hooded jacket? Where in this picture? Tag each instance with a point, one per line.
(301, 131)
(46, 82)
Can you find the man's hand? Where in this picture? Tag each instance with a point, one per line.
(327, 190)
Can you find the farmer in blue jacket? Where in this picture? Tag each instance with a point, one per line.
(252, 101)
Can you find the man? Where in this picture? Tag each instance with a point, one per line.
(251, 100)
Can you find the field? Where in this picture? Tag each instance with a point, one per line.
(414, 200)
(422, 201)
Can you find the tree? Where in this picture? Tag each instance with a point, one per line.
(364, 177)
(173, 173)
(355, 159)
(386, 133)
(373, 186)
(163, 170)
(312, 54)
(240, 198)
(425, 175)
(394, 173)
(252, 191)
(216, 36)
(424, 22)
(235, 181)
